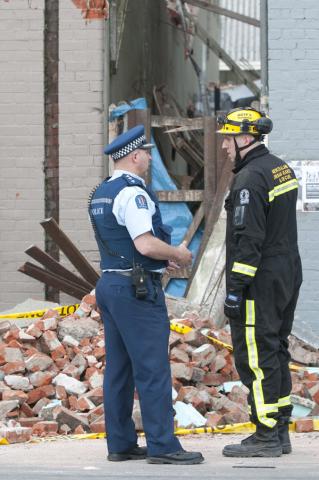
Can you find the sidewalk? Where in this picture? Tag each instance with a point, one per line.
(87, 460)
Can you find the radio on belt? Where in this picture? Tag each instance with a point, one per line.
(139, 281)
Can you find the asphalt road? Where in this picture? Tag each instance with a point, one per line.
(86, 459)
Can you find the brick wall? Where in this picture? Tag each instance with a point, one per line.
(81, 124)
(22, 135)
(294, 101)
(21, 144)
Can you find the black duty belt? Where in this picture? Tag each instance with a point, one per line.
(152, 275)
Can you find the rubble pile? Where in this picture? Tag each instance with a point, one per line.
(51, 377)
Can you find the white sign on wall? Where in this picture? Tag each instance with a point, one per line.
(307, 173)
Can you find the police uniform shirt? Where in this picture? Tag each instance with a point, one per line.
(133, 207)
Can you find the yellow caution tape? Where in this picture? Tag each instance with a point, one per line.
(236, 428)
(180, 328)
(62, 311)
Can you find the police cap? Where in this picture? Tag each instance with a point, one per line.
(127, 142)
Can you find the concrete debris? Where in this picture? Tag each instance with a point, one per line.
(51, 376)
(187, 416)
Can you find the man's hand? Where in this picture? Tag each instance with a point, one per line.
(232, 305)
(184, 256)
(172, 266)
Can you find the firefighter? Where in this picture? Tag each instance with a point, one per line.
(263, 277)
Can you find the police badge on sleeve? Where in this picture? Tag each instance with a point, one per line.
(244, 196)
(141, 202)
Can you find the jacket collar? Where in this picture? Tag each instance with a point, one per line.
(251, 155)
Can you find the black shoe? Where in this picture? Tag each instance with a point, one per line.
(264, 443)
(283, 434)
(136, 453)
(177, 458)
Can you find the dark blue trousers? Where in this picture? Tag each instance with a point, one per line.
(136, 342)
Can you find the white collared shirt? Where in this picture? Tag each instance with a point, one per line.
(132, 211)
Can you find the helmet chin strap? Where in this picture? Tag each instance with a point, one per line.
(240, 149)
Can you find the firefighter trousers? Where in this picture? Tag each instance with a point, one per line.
(260, 337)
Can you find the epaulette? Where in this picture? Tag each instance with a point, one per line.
(131, 180)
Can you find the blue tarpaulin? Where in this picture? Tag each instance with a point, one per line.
(176, 214)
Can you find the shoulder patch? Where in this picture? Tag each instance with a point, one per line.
(141, 202)
(244, 196)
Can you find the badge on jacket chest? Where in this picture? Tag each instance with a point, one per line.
(244, 196)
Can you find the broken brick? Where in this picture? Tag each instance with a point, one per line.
(304, 425)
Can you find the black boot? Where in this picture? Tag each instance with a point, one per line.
(135, 453)
(283, 434)
(177, 458)
(264, 443)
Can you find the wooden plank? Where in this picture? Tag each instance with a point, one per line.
(179, 273)
(53, 280)
(180, 195)
(225, 12)
(221, 53)
(214, 213)
(136, 117)
(197, 219)
(55, 267)
(182, 273)
(70, 250)
(210, 164)
(158, 121)
(51, 103)
(185, 128)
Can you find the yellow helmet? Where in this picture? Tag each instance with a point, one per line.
(244, 120)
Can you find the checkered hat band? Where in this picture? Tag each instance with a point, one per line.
(130, 147)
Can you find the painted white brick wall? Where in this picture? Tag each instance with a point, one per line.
(21, 145)
(294, 102)
(22, 135)
(81, 124)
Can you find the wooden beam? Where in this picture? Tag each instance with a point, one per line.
(70, 250)
(51, 161)
(214, 213)
(225, 12)
(210, 164)
(136, 117)
(179, 273)
(197, 220)
(55, 267)
(220, 52)
(53, 280)
(159, 121)
(180, 195)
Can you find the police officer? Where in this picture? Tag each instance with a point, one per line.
(263, 277)
(135, 249)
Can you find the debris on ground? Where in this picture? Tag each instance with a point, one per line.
(51, 376)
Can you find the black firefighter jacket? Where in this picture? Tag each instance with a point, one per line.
(261, 216)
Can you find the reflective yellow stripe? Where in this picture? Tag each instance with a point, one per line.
(244, 269)
(284, 401)
(284, 188)
(258, 394)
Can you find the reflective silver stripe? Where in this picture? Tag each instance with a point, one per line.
(244, 269)
(258, 394)
(284, 188)
(284, 401)
(101, 200)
